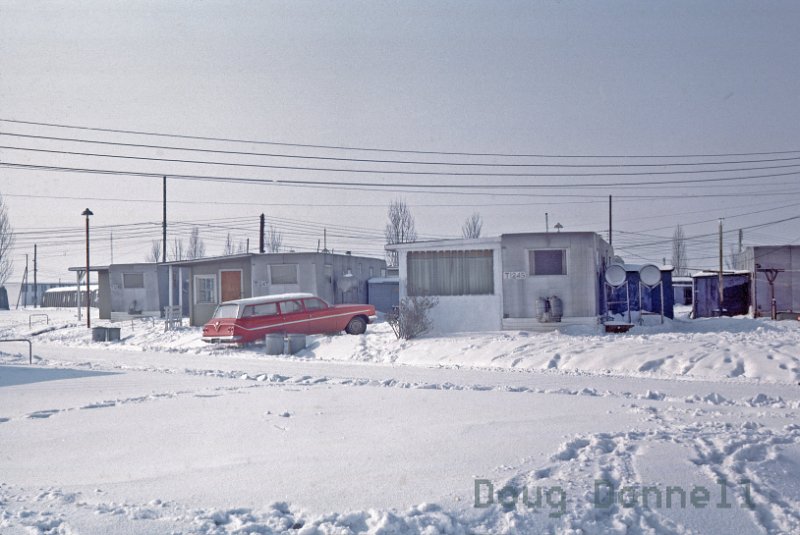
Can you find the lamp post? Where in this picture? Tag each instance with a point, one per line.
(87, 213)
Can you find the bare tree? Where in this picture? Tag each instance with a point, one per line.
(472, 226)
(400, 228)
(229, 248)
(176, 250)
(242, 247)
(155, 252)
(679, 258)
(6, 242)
(196, 248)
(274, 240)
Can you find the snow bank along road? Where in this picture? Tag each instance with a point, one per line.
(349, 437)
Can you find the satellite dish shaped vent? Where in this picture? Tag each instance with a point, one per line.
(616, 275)
(650, 275)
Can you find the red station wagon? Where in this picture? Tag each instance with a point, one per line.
(247, 320)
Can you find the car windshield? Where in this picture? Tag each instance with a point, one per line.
(227, 311)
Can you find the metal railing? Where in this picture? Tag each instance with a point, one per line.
(30, 346)
(31, 316)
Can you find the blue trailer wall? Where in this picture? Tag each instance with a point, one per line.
(651, 297)
(383, 294)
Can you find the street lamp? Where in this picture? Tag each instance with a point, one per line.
(87, 213)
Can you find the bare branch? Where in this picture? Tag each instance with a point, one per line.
(472, 226)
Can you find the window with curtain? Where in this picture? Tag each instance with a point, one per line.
(205, 289)
(451, 272)
(548, 262)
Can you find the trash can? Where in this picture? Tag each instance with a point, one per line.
(274, 344)
(297, 342)
(99, 334)
(112, 334)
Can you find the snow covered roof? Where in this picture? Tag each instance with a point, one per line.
(268, 298)
(716, 273)
(70, 289)
(445, 244)
(638, 267)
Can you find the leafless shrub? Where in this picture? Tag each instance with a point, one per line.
(411, 320)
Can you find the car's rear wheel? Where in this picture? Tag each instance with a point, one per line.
(356, 326)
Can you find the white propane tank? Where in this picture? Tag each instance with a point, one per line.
(556, 308)
(541, 308)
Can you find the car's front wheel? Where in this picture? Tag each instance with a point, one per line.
(356, 326)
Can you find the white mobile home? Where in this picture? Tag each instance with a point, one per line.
(509, 281)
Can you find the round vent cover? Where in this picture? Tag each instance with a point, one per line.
(615, 275)
(650, 275)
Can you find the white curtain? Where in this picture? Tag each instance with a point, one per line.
(451, 272)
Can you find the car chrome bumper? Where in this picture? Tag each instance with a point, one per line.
(222, 339)
(372, 319)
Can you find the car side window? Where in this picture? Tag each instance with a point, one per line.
(265, 309)
(288, 307)
(314, 304)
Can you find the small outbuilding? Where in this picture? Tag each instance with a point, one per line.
(735, 294)
(384, 293)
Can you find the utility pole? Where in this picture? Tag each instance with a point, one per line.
(164, 222)
(112, 247)
(610, 238)
(721, 283)
(261, 230)
(35, 282)
(87, 213)
(546, 223)
(24, 286)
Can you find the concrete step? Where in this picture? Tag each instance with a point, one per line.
(533, 325)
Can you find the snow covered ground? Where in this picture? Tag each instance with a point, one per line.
(686, 427)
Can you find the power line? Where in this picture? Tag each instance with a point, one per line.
(374, 149)
(373, 160)
(394, 186)
(399, 172)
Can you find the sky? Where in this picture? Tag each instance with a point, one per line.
(684, 112)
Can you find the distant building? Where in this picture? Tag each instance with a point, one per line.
(509, 281)
(33, 295)
(682, 290)
(68, 296)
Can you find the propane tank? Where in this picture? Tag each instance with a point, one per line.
(556, 308)
(542, 306)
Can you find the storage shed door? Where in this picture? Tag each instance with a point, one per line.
(230, 285)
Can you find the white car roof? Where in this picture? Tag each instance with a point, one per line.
(268, 299)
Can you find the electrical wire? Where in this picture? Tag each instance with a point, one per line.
(373, 160)
(373, 149)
